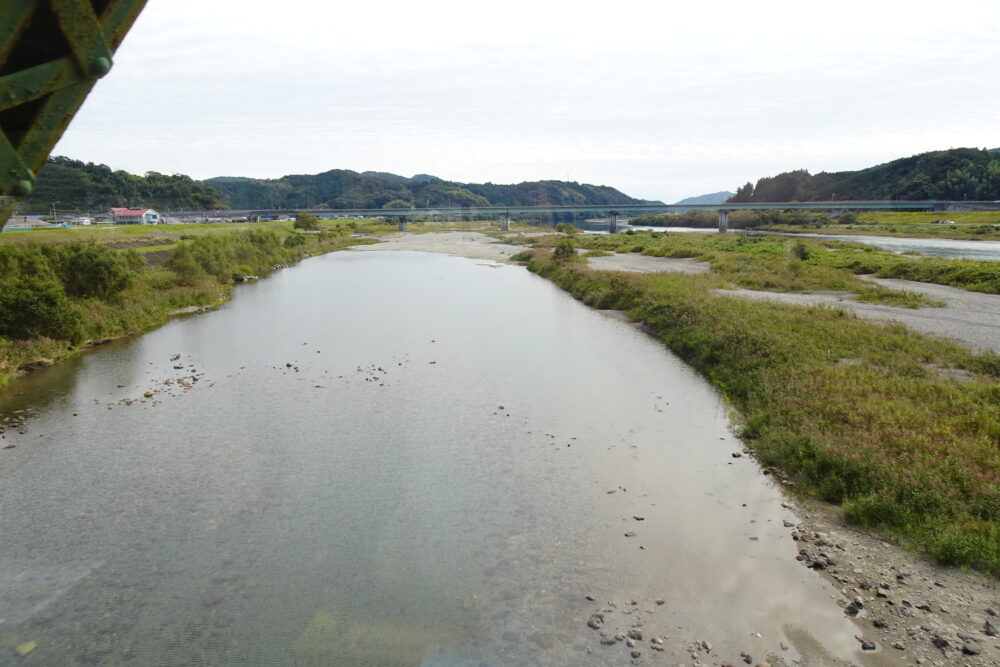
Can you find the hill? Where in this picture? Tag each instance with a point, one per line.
(342, 188)
(88, 187)
(712, 198)
(955, 174)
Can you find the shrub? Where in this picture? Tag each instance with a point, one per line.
(91, 270)
(294, 239)
(564, 248)
(36, 305)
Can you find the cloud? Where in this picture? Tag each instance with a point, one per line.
(660, 100)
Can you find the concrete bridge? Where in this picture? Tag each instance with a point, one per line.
(613, 211)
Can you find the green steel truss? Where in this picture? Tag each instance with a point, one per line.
(51, 54)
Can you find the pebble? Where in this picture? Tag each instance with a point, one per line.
(26, 647)
(971, 647)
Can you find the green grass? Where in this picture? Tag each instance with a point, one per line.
(778, 264)
(856, 413)
(146, 235)
(973, 225)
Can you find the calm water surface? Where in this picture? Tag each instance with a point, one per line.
(390, 459)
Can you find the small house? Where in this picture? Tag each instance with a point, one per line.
(133, 216)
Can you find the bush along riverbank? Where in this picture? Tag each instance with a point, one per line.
(901, 430)
(55, 299)
(797, 265)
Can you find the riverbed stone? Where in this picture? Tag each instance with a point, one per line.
(971, 647)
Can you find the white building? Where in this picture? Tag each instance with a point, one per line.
(133, 216)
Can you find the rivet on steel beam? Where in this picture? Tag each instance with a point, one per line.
(23, 188)
(99, 66)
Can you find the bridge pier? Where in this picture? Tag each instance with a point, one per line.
(505, 222)
(613, 222)
(723, 221)
(401, 224)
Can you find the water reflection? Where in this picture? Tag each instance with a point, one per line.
(389, 459)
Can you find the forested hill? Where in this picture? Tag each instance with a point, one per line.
(90, 188)
(956, 174)
(342, 188)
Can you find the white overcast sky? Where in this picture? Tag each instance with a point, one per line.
(661, 99)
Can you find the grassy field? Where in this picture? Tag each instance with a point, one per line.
(900, 429)
(148, 235)
(969, 226)
(801, 265)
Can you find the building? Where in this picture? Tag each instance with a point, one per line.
(133, 216)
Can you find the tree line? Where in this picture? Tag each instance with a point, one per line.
(84, 187)
(343, 188)
(959, 174)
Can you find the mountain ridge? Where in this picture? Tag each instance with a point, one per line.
(343, 188)
(954, 174)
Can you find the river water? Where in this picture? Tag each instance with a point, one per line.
(392, 458)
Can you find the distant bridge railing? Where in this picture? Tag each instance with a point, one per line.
(612, 211)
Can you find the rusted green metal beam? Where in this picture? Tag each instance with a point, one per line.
(51, 54)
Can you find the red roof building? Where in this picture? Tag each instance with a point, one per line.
(133, 216)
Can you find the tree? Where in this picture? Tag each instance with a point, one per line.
(307, 221)
(743, 194)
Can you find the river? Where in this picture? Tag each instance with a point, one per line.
(392, 458)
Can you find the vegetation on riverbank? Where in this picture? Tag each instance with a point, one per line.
(968, 226)
(900, 429)
(801, 265)
(55, 298)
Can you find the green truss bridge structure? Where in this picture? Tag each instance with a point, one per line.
(52, 52)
